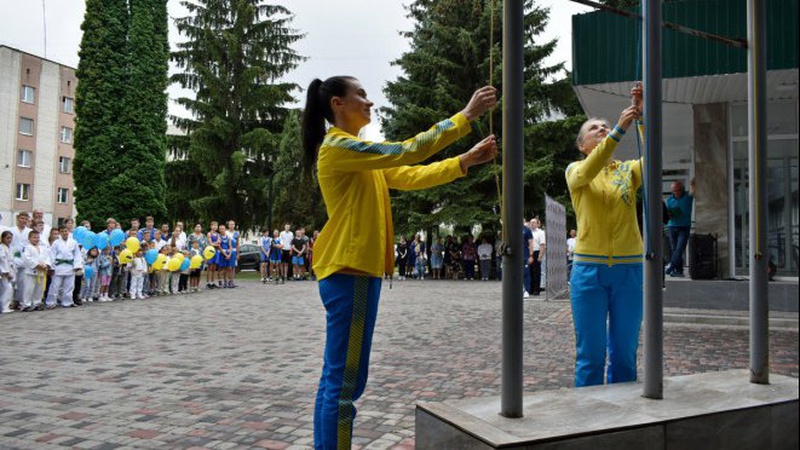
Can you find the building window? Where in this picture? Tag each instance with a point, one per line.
(26, 126)
(23, 192)
(66, 135)
(24, 158)
(68, 104)
(28, 93)
(64, 164)
(63, 195)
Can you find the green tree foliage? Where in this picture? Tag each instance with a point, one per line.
(295, 197)
(100, 71)
(235, 52)
(448, 60)
(121, 108)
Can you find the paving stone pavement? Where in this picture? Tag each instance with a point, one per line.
(237, 369)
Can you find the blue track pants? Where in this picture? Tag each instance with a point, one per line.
(607, 312)
(351, 303)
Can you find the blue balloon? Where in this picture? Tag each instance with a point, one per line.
(88, 240)
(116, 238)
(79, 233)
(185, 264)
(88, 272)
(150, 256)
(101, 241)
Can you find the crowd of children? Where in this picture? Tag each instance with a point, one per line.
(70, 266)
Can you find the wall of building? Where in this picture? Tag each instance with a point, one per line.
(68, 82)
(9, 105)
(711, 211)
(47, 137)
(51, 82)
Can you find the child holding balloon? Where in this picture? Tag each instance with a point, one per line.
(89, 276)
(174, 267)
(105, 269)
(183, 280)
(138, 270)
(196, 261)
(161, 266)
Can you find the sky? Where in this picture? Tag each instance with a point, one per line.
(346, 37)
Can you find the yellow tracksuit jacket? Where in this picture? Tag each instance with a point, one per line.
(355, 177)
(603, 195)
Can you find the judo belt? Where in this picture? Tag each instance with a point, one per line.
(64, 261)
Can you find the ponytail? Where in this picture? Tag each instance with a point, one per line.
(313, 124)
(317, 111)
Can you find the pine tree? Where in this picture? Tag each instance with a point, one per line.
(448, 60)
(236, 52)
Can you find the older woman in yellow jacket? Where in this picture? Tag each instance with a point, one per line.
(606, 280)
(355, 248)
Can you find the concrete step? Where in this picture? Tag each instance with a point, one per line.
(777, 321)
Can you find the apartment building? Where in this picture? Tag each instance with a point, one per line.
(37, 123)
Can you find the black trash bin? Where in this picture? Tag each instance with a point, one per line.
(702, 256)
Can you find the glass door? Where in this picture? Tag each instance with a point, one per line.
(782, 187)
(782, 208)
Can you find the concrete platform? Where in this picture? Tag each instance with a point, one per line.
(727, 294)
(719, 410)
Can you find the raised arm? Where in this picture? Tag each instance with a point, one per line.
(441, 172)
(344, 152)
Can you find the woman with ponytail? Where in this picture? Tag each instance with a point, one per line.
(355, 247)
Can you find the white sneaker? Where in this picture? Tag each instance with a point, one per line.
(525, 294)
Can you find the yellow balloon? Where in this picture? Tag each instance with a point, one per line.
(125, 256)
(161, 260)
(195, 262)
(209, 252)
(174, 264)
(132, 244)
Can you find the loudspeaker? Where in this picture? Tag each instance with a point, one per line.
(702, 256)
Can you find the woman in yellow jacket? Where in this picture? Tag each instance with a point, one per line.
(606, 280)
(355, 247)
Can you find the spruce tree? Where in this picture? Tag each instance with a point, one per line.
(121, 107)
(448, 60)
(101, 77)
(138, 185)
(235, 53)
(295, 194)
